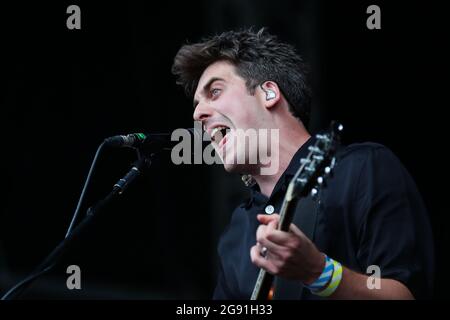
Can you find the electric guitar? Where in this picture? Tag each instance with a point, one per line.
(311, 175)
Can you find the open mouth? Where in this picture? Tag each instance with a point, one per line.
(218, 135)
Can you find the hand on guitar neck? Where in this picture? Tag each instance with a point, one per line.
(289, 254)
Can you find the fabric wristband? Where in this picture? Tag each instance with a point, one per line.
(321, 282)
(334, 283)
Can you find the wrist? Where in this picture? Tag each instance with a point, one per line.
(316, 270)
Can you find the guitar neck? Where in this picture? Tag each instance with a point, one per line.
(263, 284)
(308, 178)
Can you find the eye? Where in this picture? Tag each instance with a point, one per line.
(215, 92)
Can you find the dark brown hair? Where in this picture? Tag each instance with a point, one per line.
(257, 56)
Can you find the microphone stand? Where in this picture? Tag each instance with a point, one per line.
(121, 185)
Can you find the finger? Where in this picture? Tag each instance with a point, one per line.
(263, 230)
(261, 236)
(273, 225)
(273, 248)
(295, 230)
(260, 261)
(294, 237)
(255, 256)
(283, 238)
(265, 219)
(261, 239)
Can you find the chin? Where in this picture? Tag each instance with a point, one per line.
(230, 168)
(231, 164)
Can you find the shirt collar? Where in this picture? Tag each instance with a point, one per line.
(257, 198)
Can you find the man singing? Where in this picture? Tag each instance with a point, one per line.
(369, 217)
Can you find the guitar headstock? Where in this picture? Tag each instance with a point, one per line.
(318, 165)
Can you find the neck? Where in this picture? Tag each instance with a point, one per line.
(290, 141)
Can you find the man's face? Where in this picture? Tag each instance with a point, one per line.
(223, 105)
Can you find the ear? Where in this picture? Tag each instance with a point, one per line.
(270, 93)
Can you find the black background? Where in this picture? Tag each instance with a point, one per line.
(64, 91)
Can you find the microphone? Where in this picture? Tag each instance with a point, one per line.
(148, 141)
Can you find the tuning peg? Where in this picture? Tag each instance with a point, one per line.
(327, 170)
(320, 180)
(314, 192)
(315, 149)
(305, 161)
(323, 137)
(318, 158)
(336, 126)
(333, 162)
(319, 136)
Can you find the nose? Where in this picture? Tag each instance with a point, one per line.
(202, 112)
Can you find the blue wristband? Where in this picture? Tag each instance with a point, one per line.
(327, 272)
(334, 283)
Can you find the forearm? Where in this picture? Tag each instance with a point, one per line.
(354, 286)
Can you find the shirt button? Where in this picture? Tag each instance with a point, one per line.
(269, 209)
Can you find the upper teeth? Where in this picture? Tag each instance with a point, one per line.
(215, 131)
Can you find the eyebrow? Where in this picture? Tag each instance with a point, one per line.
(206, 87)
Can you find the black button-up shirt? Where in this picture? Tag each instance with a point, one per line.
(370, 214)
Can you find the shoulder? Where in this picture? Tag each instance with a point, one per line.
(365, 169)
(360, 151)
(369, 155)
